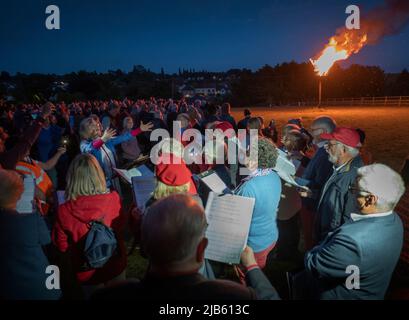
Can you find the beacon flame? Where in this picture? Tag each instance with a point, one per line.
(340, 47)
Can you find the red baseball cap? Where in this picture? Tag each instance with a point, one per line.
(175, 173)
(347, 136)
(224, 126)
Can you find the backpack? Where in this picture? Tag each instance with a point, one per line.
(100, 244)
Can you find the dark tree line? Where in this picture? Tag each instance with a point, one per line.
(292, 82)
(282, 84)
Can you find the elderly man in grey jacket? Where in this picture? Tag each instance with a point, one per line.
(336, 202)
(357, 260)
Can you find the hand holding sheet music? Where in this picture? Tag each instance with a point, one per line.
(286, 170)
(229, 218)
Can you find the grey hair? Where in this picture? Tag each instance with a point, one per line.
(353, 152)
(383, 182)
(325, 122)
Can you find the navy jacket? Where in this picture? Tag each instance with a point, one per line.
(317, 172)
(336, 201)
(372, 244)
(23, 262)
(191, 287)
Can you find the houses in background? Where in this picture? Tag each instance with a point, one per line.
(204, 88)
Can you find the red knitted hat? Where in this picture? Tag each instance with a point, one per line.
(224, 126)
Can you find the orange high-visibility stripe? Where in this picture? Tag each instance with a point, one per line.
(42, 180)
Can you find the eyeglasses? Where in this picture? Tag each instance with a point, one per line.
(330, 145)
(356, 190)
(315, 129)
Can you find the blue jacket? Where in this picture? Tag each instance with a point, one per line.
(336, 202)
(372, 244)
(22, 260)
(266, 190)
(87, 147)
(317, 172)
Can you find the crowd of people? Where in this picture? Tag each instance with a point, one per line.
(341, 215)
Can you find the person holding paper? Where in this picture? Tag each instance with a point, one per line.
(23, 263)
(317, 172)
(294, 143)
(264, 185)
(173, 238)
(173, 176)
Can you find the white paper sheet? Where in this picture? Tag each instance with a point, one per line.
(229, 218)
(291, 180)
(284, 165)
(26, 202)
(142, 189)
(128, 174)
(286, 169)
(145, 171)
(214, 182)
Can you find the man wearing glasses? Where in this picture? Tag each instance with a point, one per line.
(336, 202)
(369, 244)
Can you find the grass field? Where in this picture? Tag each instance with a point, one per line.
(386, 128)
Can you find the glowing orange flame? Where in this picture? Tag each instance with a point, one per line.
(339, 48)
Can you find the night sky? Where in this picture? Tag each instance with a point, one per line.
(213, 35)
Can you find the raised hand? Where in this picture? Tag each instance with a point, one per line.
(61, 150)
(108, 134)
(146, 127)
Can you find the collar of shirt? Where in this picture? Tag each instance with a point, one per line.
(337, 169)
(357, 216)
(321, 144)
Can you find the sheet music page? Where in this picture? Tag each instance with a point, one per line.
(284, 165)
(142, 190)
(128, 174)
(26, 202)
(214, 182)
(229, 218)
(145, 171)
(291, 180)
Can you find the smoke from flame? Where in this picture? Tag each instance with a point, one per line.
(383, 21)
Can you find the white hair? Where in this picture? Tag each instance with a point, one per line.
(353, 152)
(383, 182)
(325, 122)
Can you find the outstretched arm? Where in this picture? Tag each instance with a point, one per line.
(9, 159)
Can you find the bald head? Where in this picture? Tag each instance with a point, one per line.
(172, 229)
(11, 188)
(320, 125)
